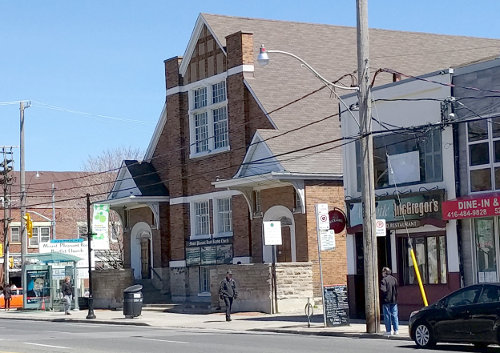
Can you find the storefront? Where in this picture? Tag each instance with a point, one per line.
(414, 218)
(479, 217)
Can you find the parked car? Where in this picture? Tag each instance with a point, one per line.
(468, 315)
(16, 300)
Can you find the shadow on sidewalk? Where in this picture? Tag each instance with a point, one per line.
(286, 318)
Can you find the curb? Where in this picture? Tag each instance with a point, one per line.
(86, 321)
(333, 334)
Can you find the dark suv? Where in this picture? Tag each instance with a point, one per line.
(468, 315)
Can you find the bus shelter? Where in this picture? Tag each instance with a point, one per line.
(44, 276)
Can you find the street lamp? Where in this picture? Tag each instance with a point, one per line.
(263, 60)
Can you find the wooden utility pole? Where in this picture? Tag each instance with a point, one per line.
(372, 308)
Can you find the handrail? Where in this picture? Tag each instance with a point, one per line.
(156, 273)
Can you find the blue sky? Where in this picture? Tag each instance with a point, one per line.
(105, 58)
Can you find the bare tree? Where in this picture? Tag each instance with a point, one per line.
(105, 167)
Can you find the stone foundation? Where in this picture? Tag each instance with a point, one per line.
(108, 286)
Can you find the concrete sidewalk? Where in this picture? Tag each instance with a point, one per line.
(242, 322)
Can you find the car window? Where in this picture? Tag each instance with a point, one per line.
(463, 297)
(490, 294)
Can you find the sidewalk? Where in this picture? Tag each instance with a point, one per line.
(245, 321)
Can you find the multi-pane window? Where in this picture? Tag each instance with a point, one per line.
(220, 127)
(200, 98)
(209, 119)
(430, 253)
(224, 216)
(202, 218)
(201, 132)
(204, 280)
(404, 158)
(486, 254)
(15, 236)
(219, 92)
(40, 235)
(82, 230)
(483, 137)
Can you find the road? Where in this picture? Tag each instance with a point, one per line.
(36, 336)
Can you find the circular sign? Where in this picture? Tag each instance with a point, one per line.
(337, 220)
(323, 218)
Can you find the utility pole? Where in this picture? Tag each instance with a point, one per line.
(8, 158)
(24, 239)
(372, 307)
(53, 212)
(90, 314)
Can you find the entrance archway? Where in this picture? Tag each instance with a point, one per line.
(287, 252)
(141, 250)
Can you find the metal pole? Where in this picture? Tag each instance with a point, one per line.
(24, 240)
(6, 217)
(275, 289)
(53, 212)
(90, 314)
(321, 274)
(372, 309)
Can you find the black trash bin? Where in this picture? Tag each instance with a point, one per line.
(132, 301)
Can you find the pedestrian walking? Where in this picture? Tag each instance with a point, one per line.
(7, 295)
(67, 291)
(389, 290)
(228, 292)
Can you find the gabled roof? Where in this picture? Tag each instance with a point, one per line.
(331, 50)
(137, 179)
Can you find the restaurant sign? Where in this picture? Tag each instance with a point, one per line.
(408, 211)
(472, 206)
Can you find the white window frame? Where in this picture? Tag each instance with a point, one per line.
(209, 109)
(491, 153)
(37, 234)
(219, 233)
(194, 220)
(18, 234)
(204, 281)
(80, 225)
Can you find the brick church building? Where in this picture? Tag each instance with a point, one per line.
(238, 144)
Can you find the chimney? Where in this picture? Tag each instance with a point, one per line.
(239, 47)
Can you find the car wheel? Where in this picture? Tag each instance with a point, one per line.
(423, 336)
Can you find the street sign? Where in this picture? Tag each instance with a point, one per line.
(327, 239)
(380, 227)
(272, 233)
(322, 216)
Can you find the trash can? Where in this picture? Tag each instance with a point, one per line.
(132, 301)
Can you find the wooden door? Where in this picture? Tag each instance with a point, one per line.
(145, 258)
(284, 251)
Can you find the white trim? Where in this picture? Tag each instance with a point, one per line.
(200, 197)
(192, 221)
(274, 214)
(245, 82)
(239, 69)
(156, 134)
(394, 258)
(452, 253)
(204, 294)
(242, 260)
(177, 263)
(193, 41)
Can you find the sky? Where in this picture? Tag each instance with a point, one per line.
(93, 70)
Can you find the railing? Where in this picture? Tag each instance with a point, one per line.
(155, 273)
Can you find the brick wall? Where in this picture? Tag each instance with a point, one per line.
(108, 286)
(334, 262)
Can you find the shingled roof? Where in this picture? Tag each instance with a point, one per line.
(332, 51)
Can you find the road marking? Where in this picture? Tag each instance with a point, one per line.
(46, 345)
(160, 340)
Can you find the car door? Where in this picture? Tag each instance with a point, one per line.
(455, 323)
(484, 314)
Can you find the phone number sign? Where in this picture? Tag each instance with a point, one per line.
(481, 206)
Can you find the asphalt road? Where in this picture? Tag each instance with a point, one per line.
(36, 336)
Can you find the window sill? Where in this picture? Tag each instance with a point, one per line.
(204, 294)
(223, 235)
(209, 153)
(200, 237)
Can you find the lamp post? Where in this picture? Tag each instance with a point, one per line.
(372, 309)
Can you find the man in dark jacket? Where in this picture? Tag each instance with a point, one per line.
(228, 292)
(389, 290)
(67, 291)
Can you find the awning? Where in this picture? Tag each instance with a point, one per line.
(54, 257)
(472, 206)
